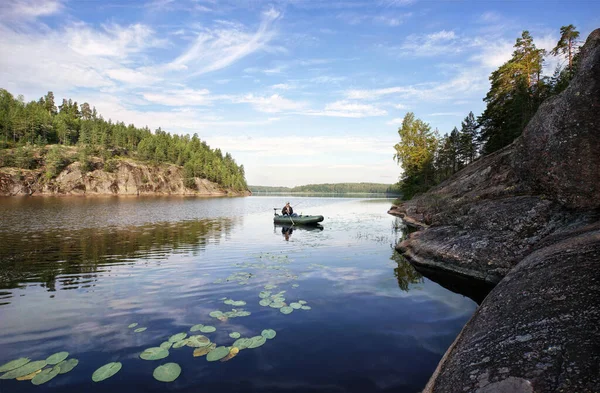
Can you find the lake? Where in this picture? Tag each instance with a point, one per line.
(75, 273)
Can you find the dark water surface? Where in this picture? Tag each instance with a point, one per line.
(75, 272)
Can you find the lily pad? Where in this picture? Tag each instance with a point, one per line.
(265, 302)
(269, 333)
(154, 353)
(177, 337)
(270, 286)
(242, 343)
(67, 365)
(286, 310)
(303, 302)
(180, 344)
(296, 306)
(204, 350)
(277, 304)
(106, 371)
(139, 330)
(131, 326)
(217, 354)
(264, 294)
(233, 351)
(166, 345)
(306, 308)
(257, 341)
(29, 377)
(26, 369)
(57, 358)
(13, 364)
(45, 375)
(167, 372)
(208, 329)
(295, 285)
(198, 341)
(216, 314)
(235, 335)
(197, 327)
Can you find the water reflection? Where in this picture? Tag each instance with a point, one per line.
(405, 273)
(57, 259)
(286, 231)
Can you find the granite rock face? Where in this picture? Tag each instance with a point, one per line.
(489, 216)
(129, 178)
(526, 218)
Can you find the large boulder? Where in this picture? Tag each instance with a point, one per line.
(559, 151)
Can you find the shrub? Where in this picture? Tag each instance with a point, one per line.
(23, 158)
(55, 162)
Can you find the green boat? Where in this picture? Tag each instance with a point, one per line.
(298, 220)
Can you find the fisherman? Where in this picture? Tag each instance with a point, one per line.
(288, 211)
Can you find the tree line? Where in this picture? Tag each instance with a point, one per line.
(336, 188)
(517, 89)
(27, 125)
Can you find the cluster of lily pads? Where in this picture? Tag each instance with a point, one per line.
(241, 277)
(23, 369)
(278, 301)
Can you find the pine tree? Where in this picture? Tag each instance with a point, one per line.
(566, 45)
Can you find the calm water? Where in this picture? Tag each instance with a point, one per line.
(75, 272)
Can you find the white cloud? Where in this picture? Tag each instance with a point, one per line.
(328, 79)
(183, 97)
(396, 121)
(271, 104)
(112, 41)
(134, 77)
(346, 108)
(218, 48)
(24, 10)
(282, 86)
(467, 82)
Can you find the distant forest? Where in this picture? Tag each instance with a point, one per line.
(517, 89)
(336, 188)
(27, 130)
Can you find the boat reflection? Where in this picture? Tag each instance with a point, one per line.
(287, 230)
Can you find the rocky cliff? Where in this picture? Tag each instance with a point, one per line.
(127, 178)
(528, 218)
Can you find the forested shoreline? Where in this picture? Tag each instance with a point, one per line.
(517, 89)
(36, 134)
(341, 188)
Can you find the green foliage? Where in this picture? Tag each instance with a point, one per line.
(23, 158)
(56, 161)
(111, 165)
(40, 122)
(335, 188)
(84, 160)
(415, 154)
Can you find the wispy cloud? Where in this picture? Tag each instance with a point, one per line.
(25, 10)
(219, 48)
(271, 104)
(396, 121)
(183, 97)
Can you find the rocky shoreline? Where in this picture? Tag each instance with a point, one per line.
(527, 220)
(128, 178)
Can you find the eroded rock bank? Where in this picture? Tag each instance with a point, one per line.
(526, 217)
(127, 178)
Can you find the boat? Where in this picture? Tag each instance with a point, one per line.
(297, 220)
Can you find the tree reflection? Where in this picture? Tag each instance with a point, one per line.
(405, 273)
(78, 256)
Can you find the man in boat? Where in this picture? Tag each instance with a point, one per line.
(288, 211)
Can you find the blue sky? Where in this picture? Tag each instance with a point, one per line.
(299, 91)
